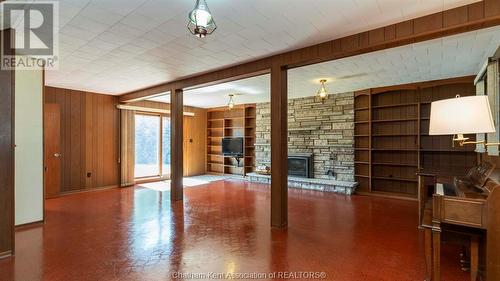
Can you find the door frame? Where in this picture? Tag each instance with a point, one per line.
(43, 145)
(8, 83)
(45, 188)
(161, 176)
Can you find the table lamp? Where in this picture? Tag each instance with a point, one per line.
(462, 115)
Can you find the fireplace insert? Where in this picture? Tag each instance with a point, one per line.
(300, 165)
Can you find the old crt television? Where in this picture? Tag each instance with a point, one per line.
(232, 146)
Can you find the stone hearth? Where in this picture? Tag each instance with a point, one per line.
(343, 187)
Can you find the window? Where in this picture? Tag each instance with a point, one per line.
(147, 145)
(151, 159)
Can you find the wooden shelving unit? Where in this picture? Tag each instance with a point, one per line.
(238, 122)
(392, 142)
(362, 139)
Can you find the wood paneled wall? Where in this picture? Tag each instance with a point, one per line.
(89, 139)
(195, 136)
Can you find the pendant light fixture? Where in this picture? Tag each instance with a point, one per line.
(201, 22)
(230, 104)
(322, 93)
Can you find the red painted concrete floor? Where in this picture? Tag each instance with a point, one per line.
(136, 234)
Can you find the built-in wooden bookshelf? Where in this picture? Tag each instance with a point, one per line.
(223, 123)
(392, 141)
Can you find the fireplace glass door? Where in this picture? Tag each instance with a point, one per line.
(298, 167)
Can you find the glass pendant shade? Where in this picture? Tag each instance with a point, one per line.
(322, 93)
(201, 22)
(230, 105)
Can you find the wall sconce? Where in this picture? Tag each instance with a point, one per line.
(462, 115)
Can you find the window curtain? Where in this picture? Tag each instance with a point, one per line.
(493, 92)
(127, 149)
(480, 91)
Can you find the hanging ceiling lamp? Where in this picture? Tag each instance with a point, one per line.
(201, 23)
(322, 93)
(230, 104)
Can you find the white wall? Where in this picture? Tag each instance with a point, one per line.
(29, 146)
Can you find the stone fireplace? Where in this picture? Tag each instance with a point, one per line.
(300, 165)
(323, 130)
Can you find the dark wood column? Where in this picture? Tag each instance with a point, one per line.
(176, 153)
(279, 147)
(7, 160)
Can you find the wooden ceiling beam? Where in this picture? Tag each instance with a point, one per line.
(471, 17)
(238, 72)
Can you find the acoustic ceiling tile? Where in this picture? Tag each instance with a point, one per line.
(263, 27)
(99, 14)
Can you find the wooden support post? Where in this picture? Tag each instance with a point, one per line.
(279, 147)
(176, 144)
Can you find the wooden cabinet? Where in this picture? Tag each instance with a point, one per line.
(392, 141)
(237, 122)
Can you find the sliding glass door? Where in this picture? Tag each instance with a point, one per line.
(165, 152)
(152, 146)
(147, 146)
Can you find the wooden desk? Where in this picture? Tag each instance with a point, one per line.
(469, 208)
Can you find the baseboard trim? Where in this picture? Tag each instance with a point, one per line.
(381, 195)
(29, 225)
(6, 254)
(147, 180)
(75, 192)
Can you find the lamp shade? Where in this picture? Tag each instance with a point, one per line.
(466, 115)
